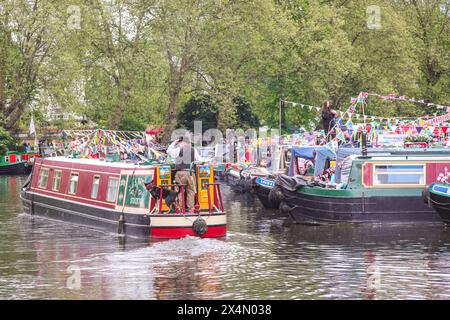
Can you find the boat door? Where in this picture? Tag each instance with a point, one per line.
(163, 176)
(12, 158)
(205, 180)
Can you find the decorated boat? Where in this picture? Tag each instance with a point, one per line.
(384, 185)
(115, 196)
(14, 162)
(242, 178)
(438, 196)
(293, 161)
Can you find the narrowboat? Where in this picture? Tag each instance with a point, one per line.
(115, 196)
(295, 162)
(240, 177)
(13, 163)
(384, 185)
(439, 198)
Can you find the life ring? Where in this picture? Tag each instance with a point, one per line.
(200, 226)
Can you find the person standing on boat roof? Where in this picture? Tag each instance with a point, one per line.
(328, 116)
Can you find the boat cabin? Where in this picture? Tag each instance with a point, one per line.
(118, 185)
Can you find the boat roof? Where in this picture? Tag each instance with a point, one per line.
(98, 162)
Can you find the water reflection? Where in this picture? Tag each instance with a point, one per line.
(265, 256)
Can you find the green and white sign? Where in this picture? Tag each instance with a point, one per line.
(136, 194)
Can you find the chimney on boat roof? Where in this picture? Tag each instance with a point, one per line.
(364, 143)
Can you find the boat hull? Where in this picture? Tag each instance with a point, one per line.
(319, 209)
(235, 182)
(18, 168)
(440, 200)
(163, 226)
(262, 188)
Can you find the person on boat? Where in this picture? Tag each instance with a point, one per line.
(328, 117)
(183, 161)
(357, 136)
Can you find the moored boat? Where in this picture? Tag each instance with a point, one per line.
(439, 198)
(114, 197)
(16, 163)
(300, 162)
(382, 186)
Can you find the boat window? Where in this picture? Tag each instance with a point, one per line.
(7, 159)
(399, 174)
(43, 178)
(111, 195)
(95, 183)
(57, 180)
(73, 183)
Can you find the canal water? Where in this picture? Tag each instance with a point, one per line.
(264, 256)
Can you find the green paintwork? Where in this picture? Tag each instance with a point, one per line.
(4, 163)
(136, 193)
(354, 187)
(122, 185)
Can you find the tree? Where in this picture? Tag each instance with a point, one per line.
(7, 142)
(245, 117)
(212, 46)
(199, 108)
(28, 34)
(431, 28)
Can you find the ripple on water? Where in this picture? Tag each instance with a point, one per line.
(264, 256)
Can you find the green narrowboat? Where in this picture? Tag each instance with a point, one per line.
(383, 186)
(14, 162)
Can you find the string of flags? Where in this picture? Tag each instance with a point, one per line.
(392, 96)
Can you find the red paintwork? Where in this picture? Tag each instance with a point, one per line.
(173, 233)
(85, 179)
(434, 169)
(367, 169)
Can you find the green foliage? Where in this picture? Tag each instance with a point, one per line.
(199, 108)
(138, 62)
(7, 142)
(203, 108)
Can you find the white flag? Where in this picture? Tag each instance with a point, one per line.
(32, 128)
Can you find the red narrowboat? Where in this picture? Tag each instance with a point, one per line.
(114, 196)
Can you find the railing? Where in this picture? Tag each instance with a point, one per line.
(211, 206)
(217, 194)
(167, 186)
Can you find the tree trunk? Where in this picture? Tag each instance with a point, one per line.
(172, 113)
(117, 116)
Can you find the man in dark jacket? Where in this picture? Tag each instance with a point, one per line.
(328, 116)
(183, 175)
